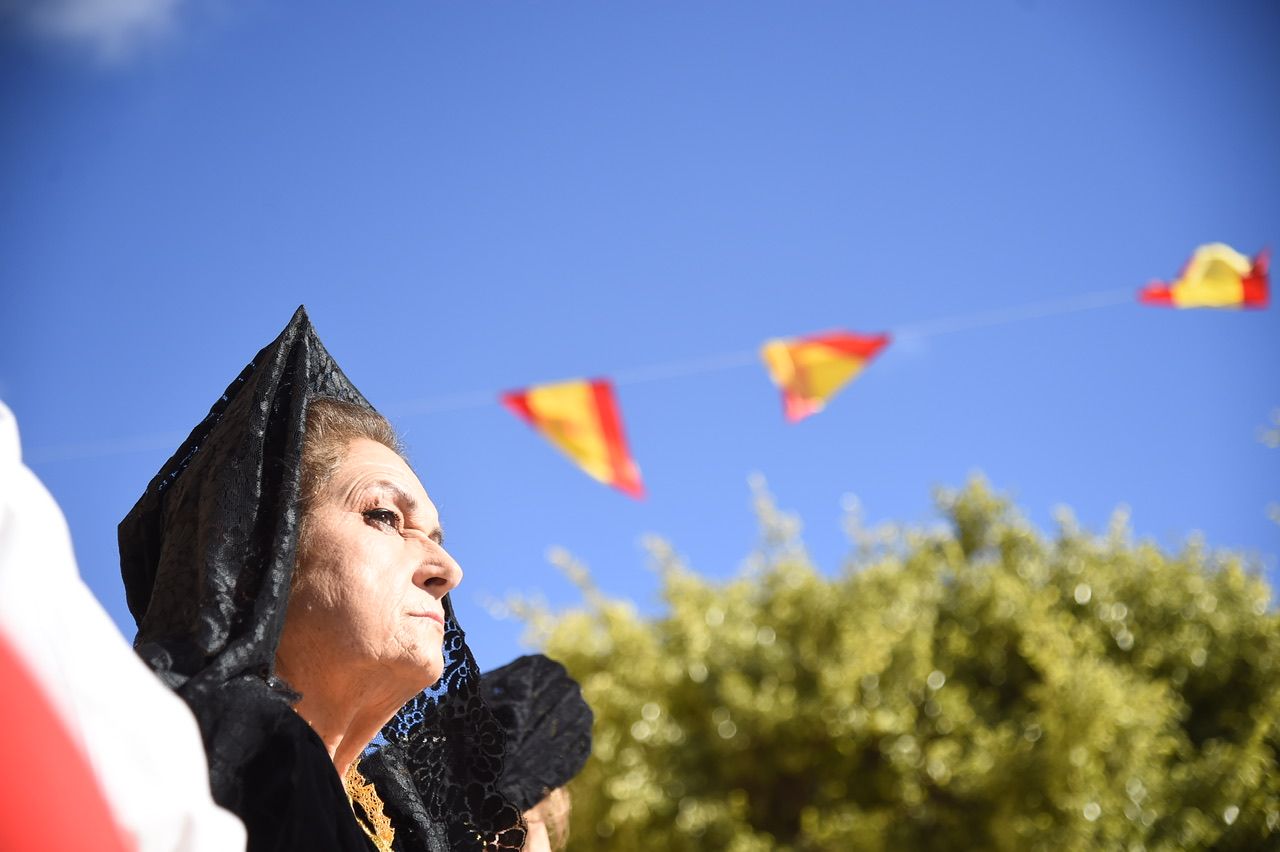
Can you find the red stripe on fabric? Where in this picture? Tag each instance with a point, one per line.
(625, 475)
(857, 345)
(797, 408)
(52, 799)
(517, 402)
(1155, 294)
(1256, 286)
(1253, 293)
(1262, 263)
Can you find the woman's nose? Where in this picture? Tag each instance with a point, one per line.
(438, 572)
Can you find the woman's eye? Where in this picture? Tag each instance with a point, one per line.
(385, 517)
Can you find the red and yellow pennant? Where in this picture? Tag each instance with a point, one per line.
(1217, 276)
(581, 418)
(809, 370)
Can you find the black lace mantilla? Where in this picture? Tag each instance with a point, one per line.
(547, 725)
(207, 558)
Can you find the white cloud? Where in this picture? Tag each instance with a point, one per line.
(110, 28)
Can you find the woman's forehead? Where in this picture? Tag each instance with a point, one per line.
(370, 465)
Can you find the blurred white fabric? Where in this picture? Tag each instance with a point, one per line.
(139, 738)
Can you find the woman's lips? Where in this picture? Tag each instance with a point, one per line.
(438, 618)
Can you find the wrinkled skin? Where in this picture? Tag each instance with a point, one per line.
(365, 623)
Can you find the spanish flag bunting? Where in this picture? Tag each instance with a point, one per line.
(1217, 276)
(581, 418)
(809, 370)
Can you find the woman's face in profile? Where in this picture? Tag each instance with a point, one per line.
(368, 589)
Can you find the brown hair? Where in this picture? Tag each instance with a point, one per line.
(331, 426)
(553, 812)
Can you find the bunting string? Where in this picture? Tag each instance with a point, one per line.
(1009, 316)
(807, 369)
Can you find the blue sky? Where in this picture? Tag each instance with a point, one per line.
(476, 197)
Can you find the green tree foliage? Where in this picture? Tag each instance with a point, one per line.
(1270, 435)
(973, 686)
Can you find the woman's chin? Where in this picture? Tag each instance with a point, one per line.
(419, 673)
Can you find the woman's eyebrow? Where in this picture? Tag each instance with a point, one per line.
(407, 502)
(404, 498)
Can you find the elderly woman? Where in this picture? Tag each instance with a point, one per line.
(289, 578)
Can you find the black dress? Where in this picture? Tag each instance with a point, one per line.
(293, 798)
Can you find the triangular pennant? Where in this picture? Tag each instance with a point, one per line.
(581, 418)
(809, 370)
(1217, 276)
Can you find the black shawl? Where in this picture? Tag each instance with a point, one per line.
(207, 556)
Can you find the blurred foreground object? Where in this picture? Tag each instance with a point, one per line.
(54, 775)
(1217, 276)
(138, 739)
(977, 686)
(810, 370)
